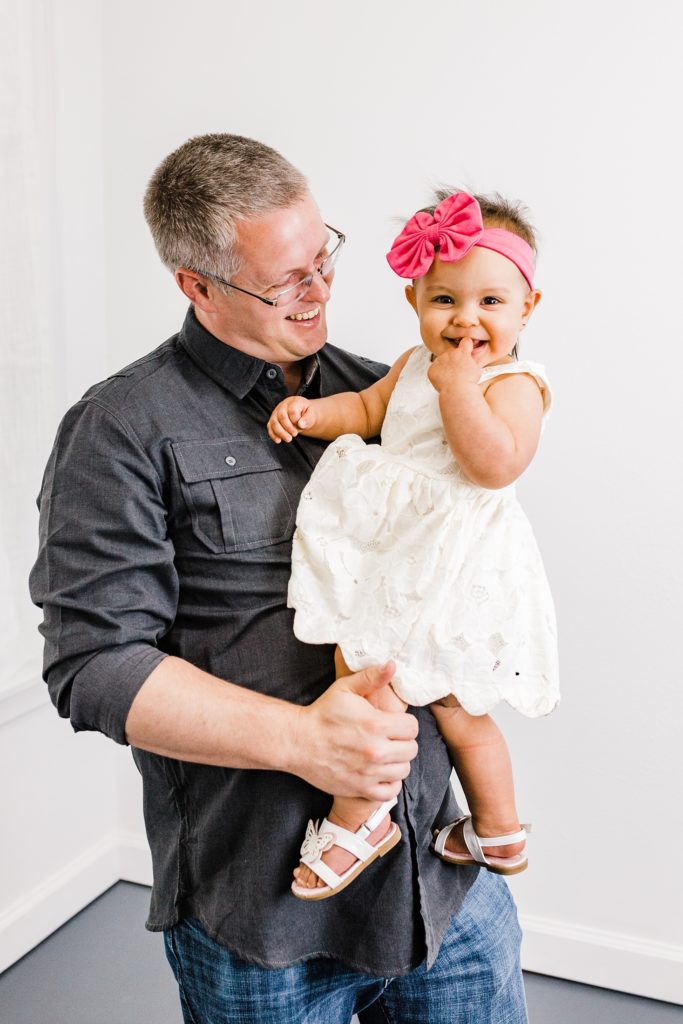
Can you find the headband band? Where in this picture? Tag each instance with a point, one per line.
(455, 227)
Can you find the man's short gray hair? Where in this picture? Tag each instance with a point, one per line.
(198, 194)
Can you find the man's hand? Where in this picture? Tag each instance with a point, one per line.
(340, 743)
(290, 416)
(343, 745)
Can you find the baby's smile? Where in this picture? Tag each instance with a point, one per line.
(478, 342)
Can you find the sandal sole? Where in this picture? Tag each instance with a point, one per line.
(460, 860)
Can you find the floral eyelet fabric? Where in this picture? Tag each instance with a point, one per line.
(398, 555)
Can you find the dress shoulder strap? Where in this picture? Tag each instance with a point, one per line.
(535, 370)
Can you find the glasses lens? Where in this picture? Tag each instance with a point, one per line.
(334, 248)
(297, 291)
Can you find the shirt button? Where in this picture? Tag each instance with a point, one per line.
(230, 460)
(271, 374)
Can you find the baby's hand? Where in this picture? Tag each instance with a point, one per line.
(288, 417)
(455, 365)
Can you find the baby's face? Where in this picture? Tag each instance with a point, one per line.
(483, 297)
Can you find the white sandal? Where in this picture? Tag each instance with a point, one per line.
(499, 865)
(324, 835)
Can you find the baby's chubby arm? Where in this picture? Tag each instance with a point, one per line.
(493, 434)
(349, 412)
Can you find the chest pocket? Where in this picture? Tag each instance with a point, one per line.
(234, 492)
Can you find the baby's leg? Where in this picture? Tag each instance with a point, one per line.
(351, 812)
(481, 759)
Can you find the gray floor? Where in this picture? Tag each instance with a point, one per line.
(102, 967)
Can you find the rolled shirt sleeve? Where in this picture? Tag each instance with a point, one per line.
(105, 574)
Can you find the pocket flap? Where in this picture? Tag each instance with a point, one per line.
(226, 457)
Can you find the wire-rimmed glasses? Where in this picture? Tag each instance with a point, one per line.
(288, 296)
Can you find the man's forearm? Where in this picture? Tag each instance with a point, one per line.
(340, 743)
(187, 714)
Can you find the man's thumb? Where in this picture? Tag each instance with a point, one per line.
(371, 679)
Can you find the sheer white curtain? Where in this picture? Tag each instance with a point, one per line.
(32, 325)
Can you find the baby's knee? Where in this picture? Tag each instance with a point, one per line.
(449, 701)
(448, 713)
(340, 667)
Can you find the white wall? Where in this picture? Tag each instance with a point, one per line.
(574, 109)
(61, 842)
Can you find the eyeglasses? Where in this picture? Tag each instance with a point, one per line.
(290, 295)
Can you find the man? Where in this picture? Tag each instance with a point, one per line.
(166, 524)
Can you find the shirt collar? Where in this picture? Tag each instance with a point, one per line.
(231, 368)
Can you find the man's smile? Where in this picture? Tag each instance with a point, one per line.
(312, 314)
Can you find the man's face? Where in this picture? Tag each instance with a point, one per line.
(277, 250)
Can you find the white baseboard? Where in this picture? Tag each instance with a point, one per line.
(43, 909)
(607, 959)
(25, 693)
(135, 859)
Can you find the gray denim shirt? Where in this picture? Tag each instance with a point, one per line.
(166, 518)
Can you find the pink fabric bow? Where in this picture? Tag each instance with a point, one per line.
(455, 227)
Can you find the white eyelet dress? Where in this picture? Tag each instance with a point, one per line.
(397, 555)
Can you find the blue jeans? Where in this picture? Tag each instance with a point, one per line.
(476, 978)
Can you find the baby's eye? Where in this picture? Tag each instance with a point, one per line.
(490, 300)
(443, 300)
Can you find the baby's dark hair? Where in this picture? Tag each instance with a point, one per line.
(496, 212)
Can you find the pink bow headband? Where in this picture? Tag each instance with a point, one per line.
(455, 227)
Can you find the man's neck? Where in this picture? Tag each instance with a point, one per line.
(293, 371)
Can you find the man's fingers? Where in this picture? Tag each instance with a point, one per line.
(370, 679)
(398, 754)
(384, 791)
(392, 725)
(398, 725)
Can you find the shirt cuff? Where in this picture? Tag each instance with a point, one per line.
(106, 686)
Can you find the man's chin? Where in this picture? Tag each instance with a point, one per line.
(308, 340)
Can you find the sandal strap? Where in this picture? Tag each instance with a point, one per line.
(513, 837)
(375, 818)
(440, 841)
(350, 841)
(474, 842)
(323, 871)
(320, 836)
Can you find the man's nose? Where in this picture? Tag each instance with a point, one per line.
(320, 288)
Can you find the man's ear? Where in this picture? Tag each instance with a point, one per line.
(530, 303)
(196, 289)
(410, 295)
